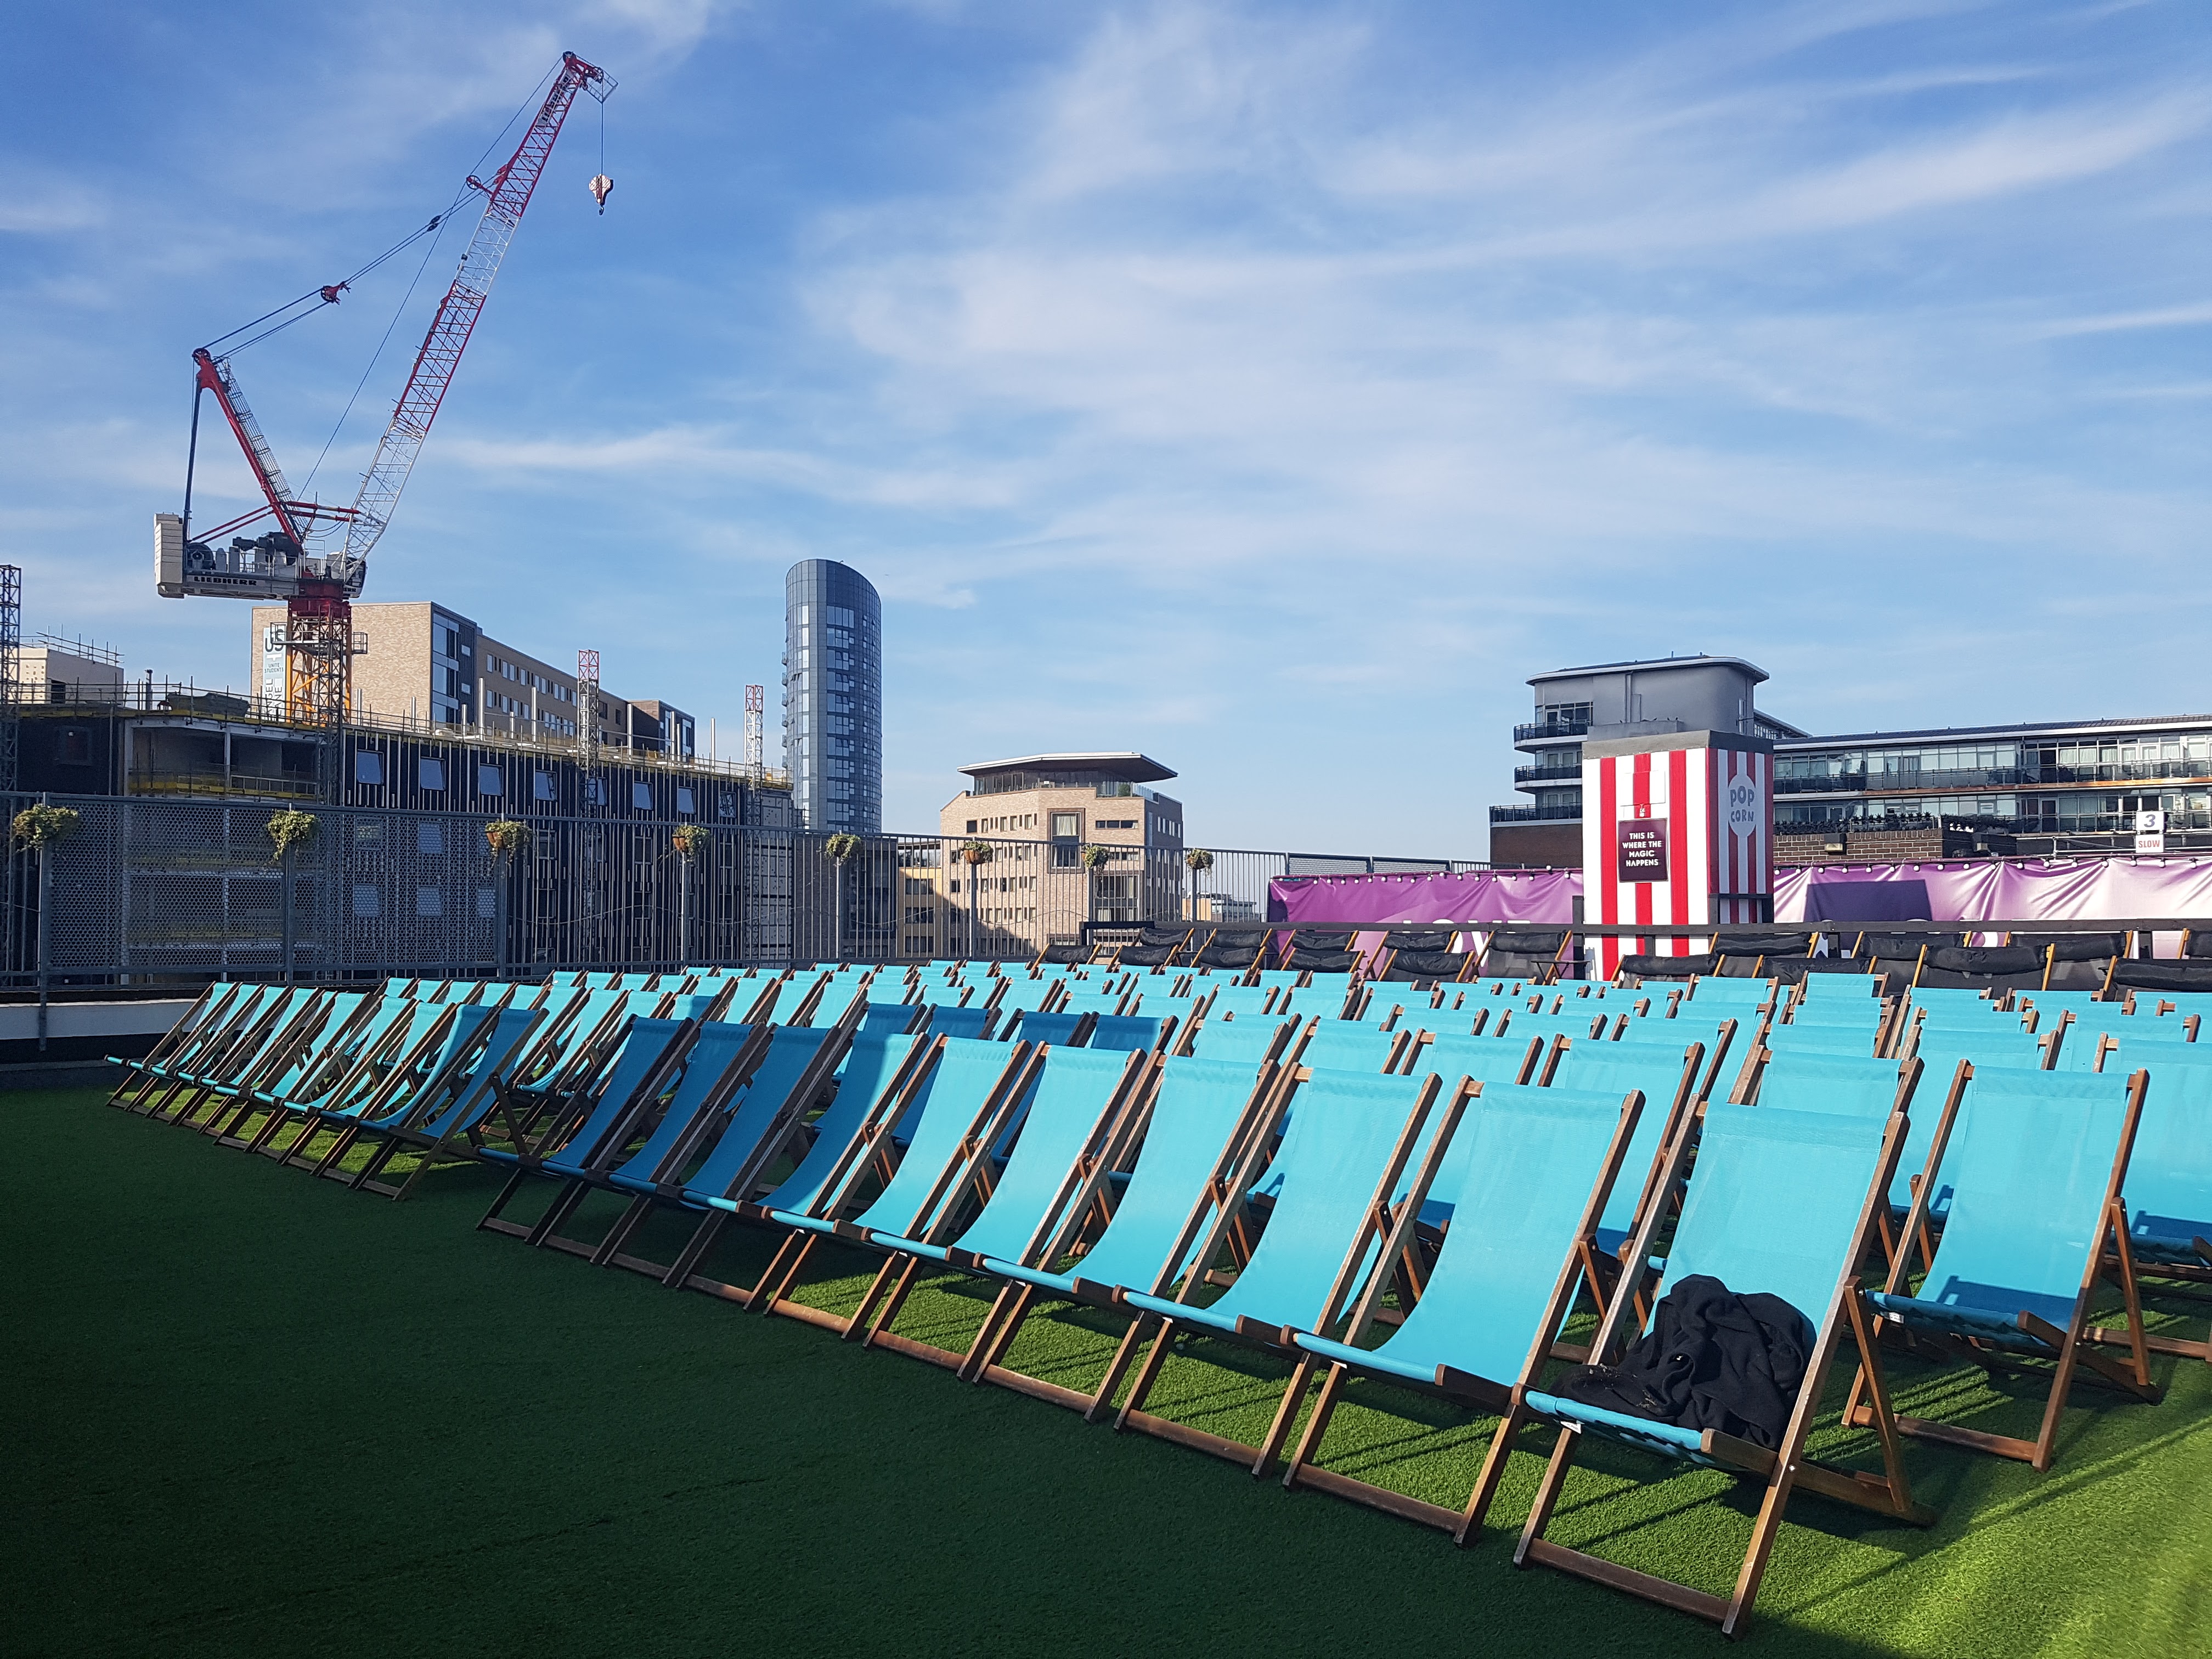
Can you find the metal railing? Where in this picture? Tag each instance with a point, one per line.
(180, 890)
(1996, 777)
(1547, 774)
(1535, 814)
(1533, 730)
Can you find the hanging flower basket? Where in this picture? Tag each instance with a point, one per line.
(1094, 856)
(840, 847)
(1198, 859)
(689, 839)
(507, 836)
(976, 852)
(290, 830)
(45, 826)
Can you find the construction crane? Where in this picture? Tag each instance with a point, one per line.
(295, 562)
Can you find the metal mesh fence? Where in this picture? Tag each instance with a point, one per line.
(161, 887)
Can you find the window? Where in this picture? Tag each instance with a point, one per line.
(429, 902)
(1067, 826)
(686, 802)
(430, 774)
(541, 785)
(73, 746)
(641, 797)
(368, 765)
(489, 782)
(430, 836)
(367, 902)
(595, 793)
(971, 826)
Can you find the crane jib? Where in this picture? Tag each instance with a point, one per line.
(506, 199)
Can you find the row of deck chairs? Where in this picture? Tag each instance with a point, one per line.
(1417, 1191)
(1407, 954)
(2100, 961)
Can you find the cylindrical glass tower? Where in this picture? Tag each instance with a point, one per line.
(833, 696)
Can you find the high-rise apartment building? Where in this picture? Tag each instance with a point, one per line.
(833, 697)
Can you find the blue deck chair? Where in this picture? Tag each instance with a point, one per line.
(1348, 1045)
(1487, 1059)
(1667, 1079)
(424, 1080)
(950, 1020)
(2128, 1046)
(725, 1056)
(346, 1017)
(1847, 1086)
(891, 1018)
(432, 1131)
(1238, 1002)
(1525, 1172)
(231, 1055)
(751, 1105)
(2035, 1163)
(1323, 989)
(338, 1068)
(1783, 1203)
(963, 1095)
(875, 1077)
(1063, 1030)
(208, 1013)
(1024, 996)
(1125, 1033)
(1345, 1153)
(389, 1057)
(600, 1121)
(2170, 1186)
(1092, 1002)
(1191, 1126)
(1253, 1042)
(1846, 1041)
(1064, 1149)
(294, 1029)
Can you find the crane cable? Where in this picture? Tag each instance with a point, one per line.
(398, 311)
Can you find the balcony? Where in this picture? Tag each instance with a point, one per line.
(1524, 776)
(1535, 814)
(1537, 731)
(1995, 777)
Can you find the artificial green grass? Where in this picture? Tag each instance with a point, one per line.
(251, 1412)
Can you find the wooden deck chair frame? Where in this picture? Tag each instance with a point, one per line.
(1074, 1207)
(706, 1114)
(2071, 1348)
(225, 1051)
(629, 1125)
(1009, 1314)
(1781, 1472)
(312, 1056)
(1452, 1386)
(464, 1129)
(1276, 1341)
(790, 1117)
(215, 1000)
(869, 1157)
(427, 1089)
(366, 1074)
(299, 1017)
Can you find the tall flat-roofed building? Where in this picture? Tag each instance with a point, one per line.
(833, 697)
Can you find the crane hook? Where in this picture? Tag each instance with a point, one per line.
(601, 187)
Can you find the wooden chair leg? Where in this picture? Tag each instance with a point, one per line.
(1146, 1375)
(1286, 1414)
(1547, 1495)
(1132, 1340)
(1309, 1446)
(1494, 1470)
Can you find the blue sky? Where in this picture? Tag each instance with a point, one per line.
(1270, 388)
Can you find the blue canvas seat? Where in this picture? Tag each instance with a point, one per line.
(1782, 1203)
(420, 1060)
(1073, 1104)
(1252, 1040)
(2034, 1161)
(1349, 1045)
(1524, 1172)
(434, 1129)
(598, 1122)
(210, 1012)
(1126, 1032)
(1344, 1153)
(963, 1095)
(947, 1020)
(1667, 1081)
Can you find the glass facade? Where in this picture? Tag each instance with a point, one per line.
(833, 697)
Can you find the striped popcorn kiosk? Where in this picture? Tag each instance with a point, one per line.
(1678, 829)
